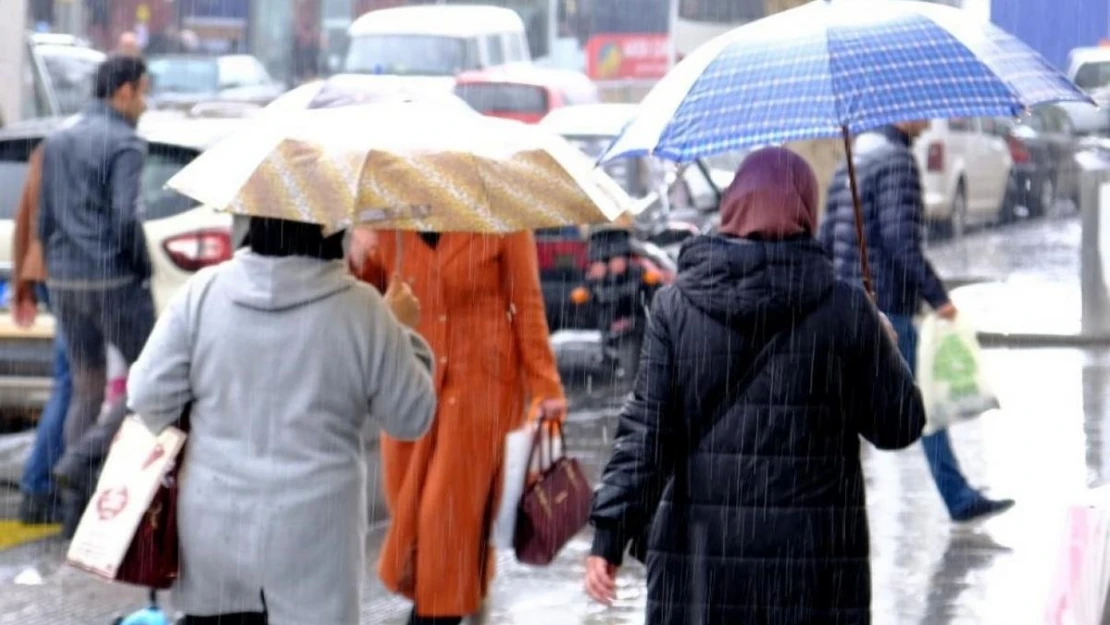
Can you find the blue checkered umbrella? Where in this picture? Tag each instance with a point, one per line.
(830, 66)
(838, 67)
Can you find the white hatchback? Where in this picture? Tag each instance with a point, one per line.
(182, 237)
(965, 172)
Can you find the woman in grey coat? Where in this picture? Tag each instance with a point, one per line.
(289, 364)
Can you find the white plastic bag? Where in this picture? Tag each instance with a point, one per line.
(1082, 591)
(950, 373)
(518, 446)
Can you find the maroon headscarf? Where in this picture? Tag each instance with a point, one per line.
(774, 196)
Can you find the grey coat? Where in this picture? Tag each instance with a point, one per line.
(290, 365)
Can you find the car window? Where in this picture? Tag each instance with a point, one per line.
(411, 55)
(183, 75)
(72, 78)
(241, 71)
(961, 125)
(162, 162)
(1092, 76)
(495, 53)
(13, 172)
(491, 98)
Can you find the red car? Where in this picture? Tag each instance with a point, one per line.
(524, 92)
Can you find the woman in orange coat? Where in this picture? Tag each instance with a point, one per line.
(483, 316)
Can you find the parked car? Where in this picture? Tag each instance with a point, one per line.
(183, 81)
(433, 44)
(58, 75)
(965, 171)
(524, 93)
(1043, 146)
(1089, 69)
(182, 237)
(673, 199)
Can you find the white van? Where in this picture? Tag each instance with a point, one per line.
(435, 42)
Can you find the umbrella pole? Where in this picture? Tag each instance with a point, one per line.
(865, 264)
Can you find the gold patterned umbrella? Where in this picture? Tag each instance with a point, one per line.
(402, 165)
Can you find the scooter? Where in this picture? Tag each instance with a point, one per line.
(621, 281)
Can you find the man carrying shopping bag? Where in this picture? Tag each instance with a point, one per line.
(893, 209)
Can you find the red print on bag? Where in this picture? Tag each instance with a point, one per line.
(155, 454)
(111, 502)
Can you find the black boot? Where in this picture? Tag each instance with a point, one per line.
(40, 509)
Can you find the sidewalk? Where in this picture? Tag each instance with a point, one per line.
(1049, 443)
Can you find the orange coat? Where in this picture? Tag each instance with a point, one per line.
(482, 314)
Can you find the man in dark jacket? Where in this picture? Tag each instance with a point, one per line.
(740, 446)
(893, 214)
(96, 256)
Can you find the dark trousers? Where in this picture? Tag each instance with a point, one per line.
(433, 620)
(89, 319)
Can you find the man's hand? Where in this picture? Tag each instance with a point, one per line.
(601, 580)
(947, 312)
(402, 302)
(24, 313)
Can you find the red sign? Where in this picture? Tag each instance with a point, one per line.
(628, 56)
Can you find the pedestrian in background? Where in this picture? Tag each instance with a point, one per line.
(96, 257)
(736, 472)
(40, 500)
(289, 364)
(483, 316)
(893, 216)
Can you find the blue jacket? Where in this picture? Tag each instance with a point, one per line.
(740, 458)
(90, 216)
(893, 217)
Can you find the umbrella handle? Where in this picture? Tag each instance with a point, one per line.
(398, 253)
(864, 262)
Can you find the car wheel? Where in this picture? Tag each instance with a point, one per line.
(1008, 212)
(959, 211)
(1045, 199)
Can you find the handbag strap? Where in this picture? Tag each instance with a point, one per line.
(537, 441)
(194, 327)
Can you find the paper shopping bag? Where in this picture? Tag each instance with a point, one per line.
(137, 464)
(950, 373)
(1082, 589)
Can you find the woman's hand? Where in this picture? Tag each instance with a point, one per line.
(402, 302)
(361, 240)
(601, 580)
(554, 409)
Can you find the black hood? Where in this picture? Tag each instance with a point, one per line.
(733, 280)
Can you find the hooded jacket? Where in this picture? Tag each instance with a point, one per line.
(738, 452)
(290, 365)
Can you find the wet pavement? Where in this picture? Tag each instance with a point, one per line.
(1048, 443)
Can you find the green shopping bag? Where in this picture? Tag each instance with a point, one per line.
(950, 373)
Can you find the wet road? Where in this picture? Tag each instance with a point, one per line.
(1048, 443)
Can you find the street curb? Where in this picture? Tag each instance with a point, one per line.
(1037, 341)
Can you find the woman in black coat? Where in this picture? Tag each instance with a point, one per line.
(738, 456)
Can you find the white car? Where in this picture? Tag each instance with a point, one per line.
(965, 171)
(182, 237)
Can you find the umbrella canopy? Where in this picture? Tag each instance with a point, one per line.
(402, 165)
(838, 66)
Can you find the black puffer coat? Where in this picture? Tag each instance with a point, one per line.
(754, 481)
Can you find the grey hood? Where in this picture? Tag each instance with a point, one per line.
(275, 284)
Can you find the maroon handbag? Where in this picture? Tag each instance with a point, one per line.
(152, 559)
(555, 507)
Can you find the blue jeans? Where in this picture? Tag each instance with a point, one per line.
(950, 481)
(50, 434)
